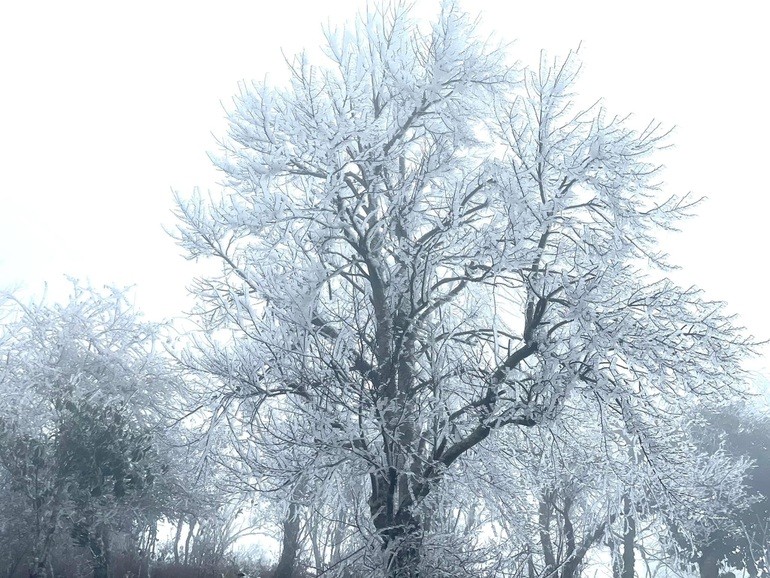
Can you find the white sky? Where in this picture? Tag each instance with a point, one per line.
(106, 107)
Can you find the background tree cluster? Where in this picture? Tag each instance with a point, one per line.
(440, 341)
(93, 461)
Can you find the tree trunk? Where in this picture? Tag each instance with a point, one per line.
(177, 539)
(100, 550)
(530, 564)
(617, 560)
(290, 546)
(708, 564)
(101, 565)
(573, 559)
(101, 571)
(401, 532)
(187, 541)
(403, 545)
(315, 546)
(545, 511)
(629, 539)
(751, 567)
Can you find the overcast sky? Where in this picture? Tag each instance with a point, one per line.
(106, 107)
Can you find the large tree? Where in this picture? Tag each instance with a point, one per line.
(421, 248)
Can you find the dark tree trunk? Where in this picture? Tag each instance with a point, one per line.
(565, 558)
(187, 541)
(751, 567)
(573, 558)
(708, 564)
(530, 564)
(617, 560)
(100, 550)
(403, 544)
(629, 538)
(287, 563)
(391, 506)
(101, 571)
(177, 539)
(545, 512)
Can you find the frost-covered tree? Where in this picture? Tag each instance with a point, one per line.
(593, 486)
(423, 248)
(739, 537)
(85, 450)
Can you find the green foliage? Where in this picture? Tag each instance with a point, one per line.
(104, 451)
(86, 476)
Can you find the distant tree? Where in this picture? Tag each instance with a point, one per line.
(82, 477)
(109, 465)
(83, 444)
(740, 537)
(422, 249)
(583, 483)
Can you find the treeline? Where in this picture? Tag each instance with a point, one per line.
(113, 462)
